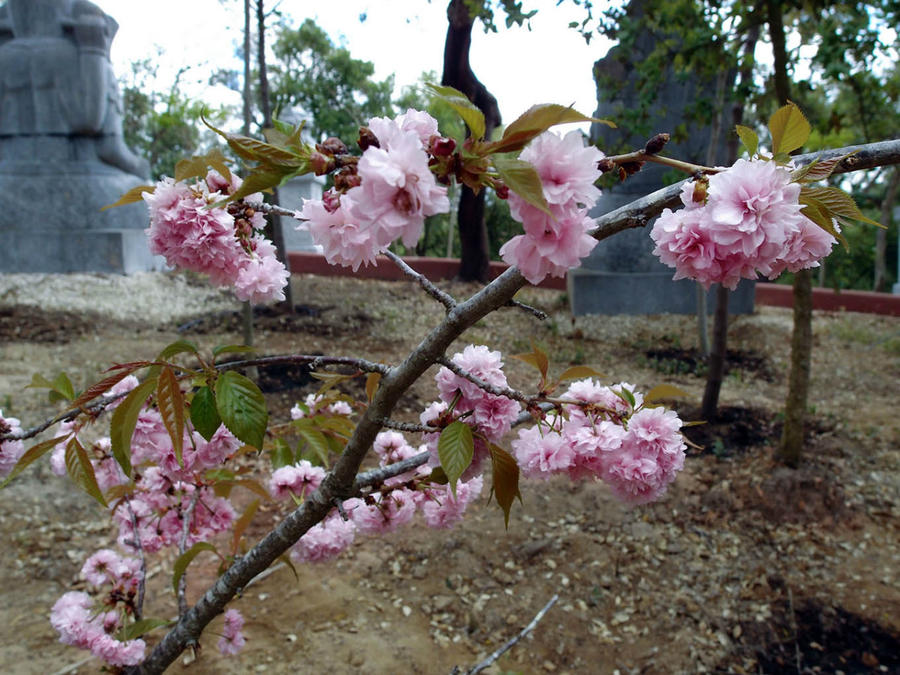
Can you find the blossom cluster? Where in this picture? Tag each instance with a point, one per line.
(10, 451)
(385, 511)
(747, 222)
(490, 415)
(226, 244)
(607, 433)
(394, 192)
(555, 242)
(78, 621)
(170, 505)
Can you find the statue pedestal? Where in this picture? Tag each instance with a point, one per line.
(51, 222)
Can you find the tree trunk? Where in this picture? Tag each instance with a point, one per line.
(716, 372)
(473, 239)
(275, 230)
(887, 206)
(791, 446)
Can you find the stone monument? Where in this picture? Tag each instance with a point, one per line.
(621, 275)
(62, 152)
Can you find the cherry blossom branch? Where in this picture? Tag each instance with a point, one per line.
(182, 547)
(444, 298)
(314, 361)
(641, 211)
(644, 156)
(139, 603)
(477, 668)
(341, 480)
(98, 407)
(265, 207)
(481, 384)
(411, 427)
(378, 476)
(540, 314)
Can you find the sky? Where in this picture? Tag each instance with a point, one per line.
(549, 64)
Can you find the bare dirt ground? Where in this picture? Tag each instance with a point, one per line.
(743, 567)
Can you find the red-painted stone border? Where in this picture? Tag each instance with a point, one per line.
(780, 295)
(777, 295)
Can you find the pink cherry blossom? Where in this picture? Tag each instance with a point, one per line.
(232, 640)
(10, 451)
(386, 514)
(442, 510)
(299, 479)
(325, 540)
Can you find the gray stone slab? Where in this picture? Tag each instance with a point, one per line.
(597, 292)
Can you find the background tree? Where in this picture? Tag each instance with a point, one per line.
(164, 125)
(313, 80)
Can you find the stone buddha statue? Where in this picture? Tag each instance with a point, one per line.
(58, 92)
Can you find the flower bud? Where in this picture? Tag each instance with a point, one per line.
(367, 139)
(441, 146)
(656, 144)
(631, 168)
(606, 165)
(345, 180)
(333, 146)
(321, 163)
(502, 190)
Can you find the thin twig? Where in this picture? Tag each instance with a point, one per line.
(139, 603)
(314, 361)
(477, 668)
(445, 299)
(277, 210)
(411, 427)
(481, 384)
(182, 547)
(540, 314)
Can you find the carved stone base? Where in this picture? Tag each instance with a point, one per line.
(51, 222)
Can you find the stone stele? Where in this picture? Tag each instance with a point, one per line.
(62, 153)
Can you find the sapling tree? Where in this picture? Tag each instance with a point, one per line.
(172, 461)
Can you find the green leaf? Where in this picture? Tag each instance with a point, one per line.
(139, 628)
(317, 442)
(177, 347)
(816, 171)
(535, 121)
(170, 402)
(242, 408)
(124, 419)
(31, 455)
(204, 414)
(330, 380)
(286, 559)
(185, 559)
(456, 447)
(61, 388)
(578, 373)
(260, 179)
(232, 349)
(241, 524)
(536, 358)
(789, 129)
(661, 391)
(625, 394)
(505, 473)
(281, 454)
(372, 380)
(135, 194)
(471, 115)
(748, 138)
(258, 151)
(816, 212)
(437, 476)
(522, 178)
(837, 203)
(80, 469)
(198, 166)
